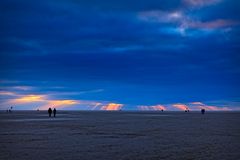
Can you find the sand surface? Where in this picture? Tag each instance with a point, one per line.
(86, 135)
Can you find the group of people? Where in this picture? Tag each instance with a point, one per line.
(9, 110)
(50, 111)
(202, 111)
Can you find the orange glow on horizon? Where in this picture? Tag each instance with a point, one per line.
(29, 99)
(42, 101)
(181, 106)
(59, 103)
(112, 107)
(45, 101)
(159, 107)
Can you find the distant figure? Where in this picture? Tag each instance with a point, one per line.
(202, 111)
(50, 112)
(10, 110)
(54, 112)
(162, 110)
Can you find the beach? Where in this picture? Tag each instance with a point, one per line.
(119, 135)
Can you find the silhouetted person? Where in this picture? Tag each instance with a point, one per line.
(202, 111)
(50, 112)
(54, 112)
(10, 110)
(162, 110)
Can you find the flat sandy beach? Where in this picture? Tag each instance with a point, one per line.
(90, 135)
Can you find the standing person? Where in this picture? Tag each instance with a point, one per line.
(54, 112)
(202, 111)
(50, 112)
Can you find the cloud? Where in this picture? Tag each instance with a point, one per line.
(215, 24)
(143, 108)
(24, 88)
(112, 106)
(180, 106)
(25, 100)
(160, 16)
(29, 99)
(155, 108)
(96, 106)
(214, 108)
(193, 106)
(84, 51)
(201, 3)
(7, 93)
(197, 103)
(68, 93)
(41, 101)
(200, 105)
(59, 104)
(183, 21)
(15, 89)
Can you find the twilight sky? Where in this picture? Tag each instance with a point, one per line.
(124, 54)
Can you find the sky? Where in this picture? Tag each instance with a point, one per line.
(120, 55)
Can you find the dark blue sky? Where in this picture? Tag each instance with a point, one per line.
(120, 54)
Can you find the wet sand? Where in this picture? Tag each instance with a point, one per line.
(90, 135)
